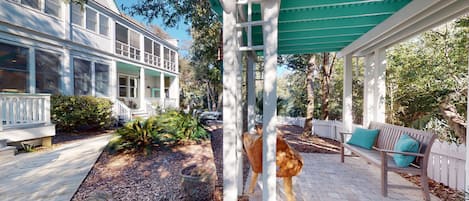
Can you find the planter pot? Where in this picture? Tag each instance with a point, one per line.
(198, 183)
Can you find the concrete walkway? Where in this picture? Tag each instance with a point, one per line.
(324, 178)
(52, 175)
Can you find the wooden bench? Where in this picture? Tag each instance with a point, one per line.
(381, 153)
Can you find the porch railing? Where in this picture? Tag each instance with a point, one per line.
(17, 110)
(127, 50)
(121, 110)
(151, 59)
(168, 65)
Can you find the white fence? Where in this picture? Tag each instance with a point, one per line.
(446, 163)
(17, 109)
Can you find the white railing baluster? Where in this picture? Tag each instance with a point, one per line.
(18, 109)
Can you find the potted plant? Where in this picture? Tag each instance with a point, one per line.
(198, 182)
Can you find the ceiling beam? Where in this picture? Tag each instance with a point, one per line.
(406, 14)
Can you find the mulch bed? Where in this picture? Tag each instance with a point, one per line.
(133, 176)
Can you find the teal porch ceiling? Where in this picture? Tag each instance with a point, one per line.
(310, 26)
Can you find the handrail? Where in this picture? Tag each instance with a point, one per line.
(121, 110)
(20, 109)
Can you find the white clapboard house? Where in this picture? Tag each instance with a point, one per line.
(53, 47)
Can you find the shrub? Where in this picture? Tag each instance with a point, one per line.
(183, 126)
(140, 135)
(71, 113)
(169, 127)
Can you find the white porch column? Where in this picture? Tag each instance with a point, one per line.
(93, 78)
(380, 87)
(347, 99)
(67, 73)
(270, 11)
(368, 90)
(466, 189)
(162, 93)
(239, 115)
(141, 89)
(113, 81)
(251, 91)
(32, 70)
(230, 68)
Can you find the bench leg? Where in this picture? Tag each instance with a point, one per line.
(288, 184)
(425, 188)
(384, 174)
(342, 153)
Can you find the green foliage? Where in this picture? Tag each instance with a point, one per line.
(140, 135)
(71, 113)
(167, 128)
(27, 147)
(183, 126)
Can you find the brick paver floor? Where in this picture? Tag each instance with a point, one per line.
(324, 178)
(52, 175)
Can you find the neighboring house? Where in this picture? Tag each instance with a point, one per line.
(54, 47)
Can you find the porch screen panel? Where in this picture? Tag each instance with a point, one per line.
(82, 77)
(134, 42)
(53, 7)
(47, 72)
(31, 3)
(121, 34)
(102, 79)
(103, 25)
(156, 49)
(77, 14)
(14, 71)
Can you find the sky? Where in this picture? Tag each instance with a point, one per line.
(180, 32)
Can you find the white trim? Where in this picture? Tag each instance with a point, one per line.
(270, 14)
(424, 13)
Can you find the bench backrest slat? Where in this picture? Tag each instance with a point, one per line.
(390, 134)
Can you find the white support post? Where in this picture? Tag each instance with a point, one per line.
(270, 11)
(230, 67)
(347, 99)
(93, 78)
(162, 93)
(251, 91)
(380, 87)
(142, 48)
(239, 115)
(369, 81)
(32, 71)
(141, 89)
(466, 188)
(113, 81)
(67, 73)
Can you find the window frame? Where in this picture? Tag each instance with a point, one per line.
(87, 12)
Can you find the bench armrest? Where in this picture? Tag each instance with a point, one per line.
(342, 135)
(399, 152)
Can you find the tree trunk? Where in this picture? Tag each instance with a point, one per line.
(455, 121)
(307, 131)
(326, 71)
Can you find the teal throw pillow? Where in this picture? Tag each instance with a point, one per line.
(405, 144)
(364, 138)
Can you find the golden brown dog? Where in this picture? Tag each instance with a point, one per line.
(289, 161)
